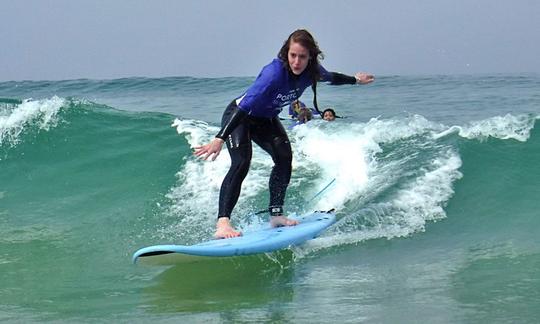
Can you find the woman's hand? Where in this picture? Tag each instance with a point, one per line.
(211, 149)
(364, 78)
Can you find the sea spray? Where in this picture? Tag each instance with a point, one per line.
(39, 113)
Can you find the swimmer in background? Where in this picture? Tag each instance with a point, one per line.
(329, 114)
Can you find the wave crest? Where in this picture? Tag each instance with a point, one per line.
(40, 113)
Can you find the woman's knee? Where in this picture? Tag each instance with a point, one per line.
(282, 150)
(240, 157)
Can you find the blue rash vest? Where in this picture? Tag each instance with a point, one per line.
(274, 88)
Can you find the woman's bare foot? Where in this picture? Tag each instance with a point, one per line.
(278, 221)
(224, 229)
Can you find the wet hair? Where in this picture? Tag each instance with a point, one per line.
(304, 38)
(330, 110)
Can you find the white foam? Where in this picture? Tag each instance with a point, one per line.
(196, 194)
(425, 198)
(400, 215)
(332, 153)
(196, 132)
(346, 152)
(501, 127)
(40, 113)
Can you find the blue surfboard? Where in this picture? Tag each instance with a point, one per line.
(262, 241)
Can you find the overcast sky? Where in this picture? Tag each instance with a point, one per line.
(71, 39)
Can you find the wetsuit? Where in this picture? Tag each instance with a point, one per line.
(254, 117)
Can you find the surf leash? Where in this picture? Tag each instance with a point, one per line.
(322, 190)
(308, 201)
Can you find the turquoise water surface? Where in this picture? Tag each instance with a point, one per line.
(436, 194)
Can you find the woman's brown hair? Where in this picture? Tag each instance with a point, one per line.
(304, 38)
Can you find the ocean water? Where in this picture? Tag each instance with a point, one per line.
(436, 191)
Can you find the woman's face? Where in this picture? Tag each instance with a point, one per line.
(298, 58)
(329, 116)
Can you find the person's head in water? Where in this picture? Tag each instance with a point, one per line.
(300, 52)
(305, 115)
(295, 107)
(329, 114)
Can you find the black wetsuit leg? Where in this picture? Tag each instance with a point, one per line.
(239, 147)
(272, 137)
